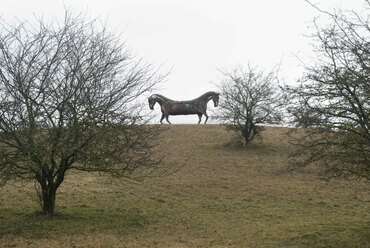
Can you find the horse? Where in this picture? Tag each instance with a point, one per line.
(197, 106)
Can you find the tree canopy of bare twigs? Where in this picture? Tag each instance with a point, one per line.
(68, 100)
(333, 98)
(250, 99)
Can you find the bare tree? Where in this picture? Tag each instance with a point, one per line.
(249, 99)
(333, 98)
(68, 96)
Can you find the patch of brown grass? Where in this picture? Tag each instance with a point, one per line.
(223, 196)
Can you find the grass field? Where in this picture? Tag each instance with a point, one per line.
(223, 196)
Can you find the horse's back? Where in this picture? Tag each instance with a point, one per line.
(183, 108)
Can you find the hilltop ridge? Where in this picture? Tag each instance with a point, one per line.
(222, 195)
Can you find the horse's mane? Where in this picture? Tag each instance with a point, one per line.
(207, 94)
(164, 98)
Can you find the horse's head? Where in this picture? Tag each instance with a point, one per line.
(152, 100)
(156, 98)
(215, 98)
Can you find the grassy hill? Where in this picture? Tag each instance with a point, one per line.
(222, 196)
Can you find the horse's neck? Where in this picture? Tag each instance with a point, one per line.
(207, 96)
(161, 99)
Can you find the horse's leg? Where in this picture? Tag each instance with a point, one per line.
(167, 119)
(200, 118)
(205, 114)
(162, 118)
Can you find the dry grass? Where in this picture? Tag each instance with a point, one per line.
(223, 196)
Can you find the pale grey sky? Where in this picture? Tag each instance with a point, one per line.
(197, 37)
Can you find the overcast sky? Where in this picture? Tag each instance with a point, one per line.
(197, 37)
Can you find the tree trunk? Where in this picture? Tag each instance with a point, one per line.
(49, 184)
(47, 194)
(48, 199)
(246, 135)
(249, 131)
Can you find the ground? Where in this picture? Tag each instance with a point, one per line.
(222, 196)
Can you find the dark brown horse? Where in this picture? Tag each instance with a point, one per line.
(198, 106)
